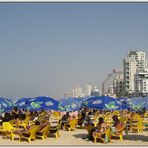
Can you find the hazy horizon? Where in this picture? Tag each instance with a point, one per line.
(48, 48)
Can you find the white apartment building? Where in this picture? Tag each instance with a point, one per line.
(136, 60)
(141, 83)
(107, 86)
(88, 89)
(77, 92)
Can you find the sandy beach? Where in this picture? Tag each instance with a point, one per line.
(78, 138)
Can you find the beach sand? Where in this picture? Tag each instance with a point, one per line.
(77, 138)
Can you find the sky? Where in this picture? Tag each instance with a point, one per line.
(48, 48)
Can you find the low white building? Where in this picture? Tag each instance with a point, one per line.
(118, 86)
(108, 86)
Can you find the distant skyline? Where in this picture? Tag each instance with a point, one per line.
(49, 48)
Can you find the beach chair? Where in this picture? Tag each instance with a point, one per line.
(136, 117)
(137, 127)
(25, 123)
(108, 120)
(119, 133)
(55, 130)
(30, 134)
(116, 113)
(1, 128)
(104, 137)
(71, 125)
(146, 115)
(56, 115)
(123, 119)
(43, 133)
(8, 129)
(145, 121)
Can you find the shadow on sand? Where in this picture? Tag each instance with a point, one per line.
(131, 137)
(134, 137)
(82, 136)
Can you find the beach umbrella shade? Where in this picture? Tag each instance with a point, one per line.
(102, 103)
(71, 104)
(124, 105)
(23, 103)
(45, 103)
(137, 104)
(6, 105)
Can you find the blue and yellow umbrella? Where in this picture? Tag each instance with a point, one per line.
(23, 103)
(71, 104)
(102, 103)
(44, 103)
(6, 105)
(137, 104)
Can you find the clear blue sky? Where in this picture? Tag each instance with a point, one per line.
(48, 48)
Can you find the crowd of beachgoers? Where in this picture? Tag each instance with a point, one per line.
(101, 126)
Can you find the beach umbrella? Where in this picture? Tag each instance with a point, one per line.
(6, 105)
(102, 103)
(124, 105)
(22, 103)
(137, 104)
(45, 103)
(71, 104)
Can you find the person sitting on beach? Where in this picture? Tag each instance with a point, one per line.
(25, 131)
(43, 123)
(81, 117)
(101, 128)
(88, 119)
(117, 125)
(15, 112)
(70, 118)
(7, 117)
(65, 119)
(33, 115)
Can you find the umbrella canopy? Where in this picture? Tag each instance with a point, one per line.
(102, 103)
(137, 104)
(123, 103)
(46, 103)
(22, 103)
(5, 105)
(71, 104)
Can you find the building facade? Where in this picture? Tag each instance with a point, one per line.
(80, 92)
(118, 85)
(141, 83)
(135, 60)
(88, 89)
(110, 82)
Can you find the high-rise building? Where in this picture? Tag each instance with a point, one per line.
(107, 86)
(77, 91)
(135, 60)
(88, 89)
(141, 83)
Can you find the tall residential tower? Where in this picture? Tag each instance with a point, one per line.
(135, 61)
